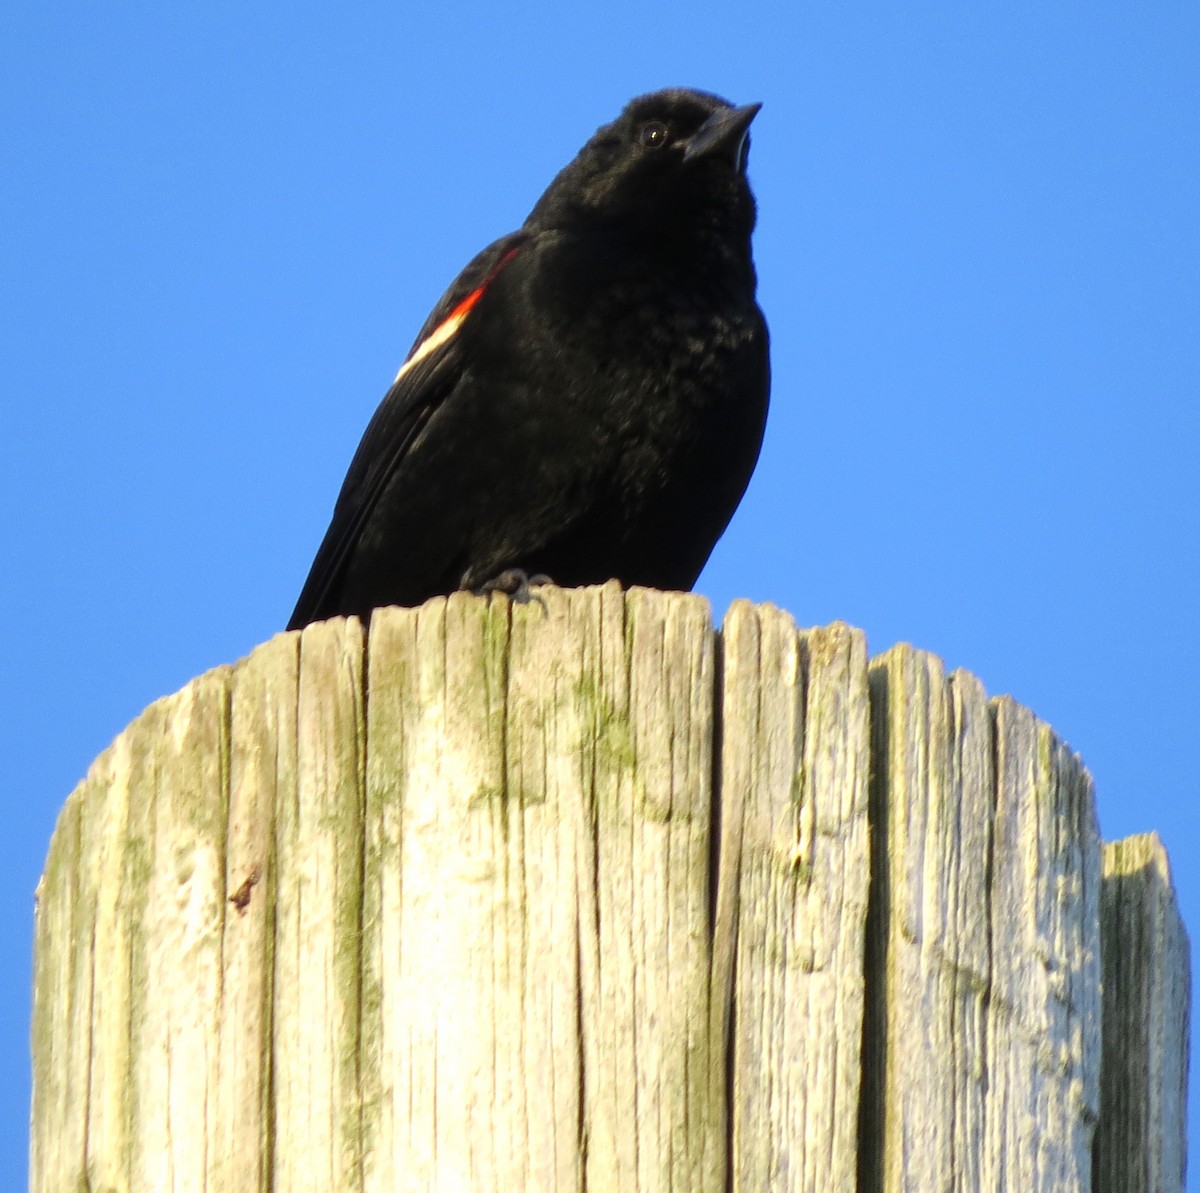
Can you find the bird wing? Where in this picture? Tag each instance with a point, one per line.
(428, 374)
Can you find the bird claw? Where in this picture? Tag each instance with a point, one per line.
(516, 583)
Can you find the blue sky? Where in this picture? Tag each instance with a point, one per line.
(979, 254)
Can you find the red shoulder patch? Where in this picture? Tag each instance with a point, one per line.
(448, 326)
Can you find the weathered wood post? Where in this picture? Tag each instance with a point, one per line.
(586, 897)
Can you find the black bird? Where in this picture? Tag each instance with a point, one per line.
(587, 400)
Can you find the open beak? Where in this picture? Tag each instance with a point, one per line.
(722, 134)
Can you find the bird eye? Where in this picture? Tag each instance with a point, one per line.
(654, 134)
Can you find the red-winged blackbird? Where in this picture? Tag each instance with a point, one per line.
(587, 400)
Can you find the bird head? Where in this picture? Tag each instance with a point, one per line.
(673, 160)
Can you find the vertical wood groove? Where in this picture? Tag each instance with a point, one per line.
(1147, 992)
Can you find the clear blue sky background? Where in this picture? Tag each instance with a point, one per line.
(979, 252)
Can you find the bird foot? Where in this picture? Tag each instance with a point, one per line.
(517, 584)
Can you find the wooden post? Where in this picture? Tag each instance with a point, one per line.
(584, 896)
(1147, 996)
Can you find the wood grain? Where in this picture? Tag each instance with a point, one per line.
(580, 894)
